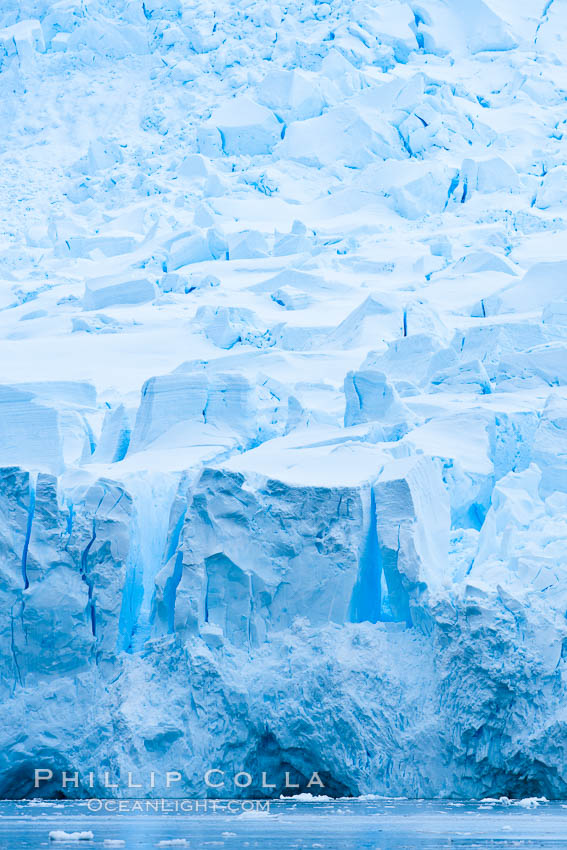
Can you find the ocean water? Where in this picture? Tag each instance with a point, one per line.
(356, 825)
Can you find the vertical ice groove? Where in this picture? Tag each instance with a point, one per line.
(17, 671)
(153, 494)
(88, 581)
(29, 526)
(170, 591)
(365, 603)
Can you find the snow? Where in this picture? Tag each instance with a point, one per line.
(283, 431)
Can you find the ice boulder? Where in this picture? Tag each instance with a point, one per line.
(414, 188)
(291, 278)
(32, 431)
(225, 402)
(555, 316)
(553, 190)
(468, 376)
(102, 154)
(449, 27)
(290, 298)
(373, 322)
(49, 424)
(370, 397)
(247, 245)
(63, 569)
(412, 525)
(115, 436)
(192, 166)
(245, 127)
(341, 135)
(292, 94)
(488, 175)
(189, 248)
(549, 449)
(116, 290)
(542, 284)
(482, 261)
(521, 551)
(259, 548)
(227, 326)
(24, 38)
(409, 361)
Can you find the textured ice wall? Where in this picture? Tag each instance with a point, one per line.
(283, 415)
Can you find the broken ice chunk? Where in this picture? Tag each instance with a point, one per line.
(245, 127)
(131, 288)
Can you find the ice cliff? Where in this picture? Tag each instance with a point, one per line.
(283, 405)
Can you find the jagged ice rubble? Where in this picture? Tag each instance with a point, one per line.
(283, 403)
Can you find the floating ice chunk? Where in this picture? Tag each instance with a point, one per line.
(114, 290)
(245, 127)
(173, 842)
(307, 797)
(61, 835)
(530, 802)
(114, 842)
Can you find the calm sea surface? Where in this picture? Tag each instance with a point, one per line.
(364, 825)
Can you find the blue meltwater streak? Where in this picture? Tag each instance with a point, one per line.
(152, 496)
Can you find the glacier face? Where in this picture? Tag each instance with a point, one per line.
(283, 477)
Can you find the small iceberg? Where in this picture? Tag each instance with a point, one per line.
(61, 835)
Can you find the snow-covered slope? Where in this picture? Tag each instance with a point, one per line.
(283, 431)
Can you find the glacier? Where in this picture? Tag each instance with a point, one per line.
(283, 431)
